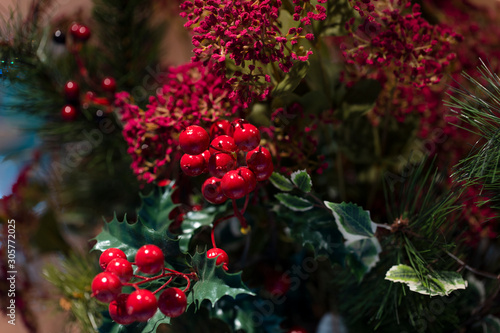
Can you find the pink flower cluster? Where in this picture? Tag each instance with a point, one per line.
(248, 33)
(416, 51)
(192, 95)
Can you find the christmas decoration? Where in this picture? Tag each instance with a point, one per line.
(304, 166)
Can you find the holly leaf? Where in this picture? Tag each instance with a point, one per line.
(245, 314)
(353, 222)
(281, 182)
(316, 229)
(214, 282)
(302, 180)
(150, 228)
(109, 326)
(293, 202)
(193, 221)
(439, 283)
(363, 255)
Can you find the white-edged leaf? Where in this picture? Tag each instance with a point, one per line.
(281, 182)
(353, 222)
(441, 283)
(363, 255)
(302, 180)
(293, 202)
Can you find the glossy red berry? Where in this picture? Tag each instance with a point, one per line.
(80, 32)
(249, 177)
(121, 268)
(108, 84)
(149, 259)
(193, 165)
(110, 254)
(259, 160)
(118, 310)
(194, 140)
(220, 127)
(246, 137)
(220, 163)
(172, 302)
(106, 287)
(206, 155)
(237, 123)
(264, 174)
(221, 256)
(69, 113)
(71, 90)
(223, 143)
(233, 185)
(212, 191)
(141, 305)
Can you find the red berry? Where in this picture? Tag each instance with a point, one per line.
(223, 143)
(221, 256)
(246, 137)
(194, 140)
(106, 287)
(110, 254)
(108, 84)
(193, 165)
(237, 123)
(233, 185)
(80, 32)
(149, 259)
(68, 112)
(297, 330)
(277, 284)
(220, 127)
(141, 305)
(71, 90)
(212, 191)
(206, 155)
(264, 174)
(249, 177)
(219, 164)
(172, 302)
(259, 160)
(121, 268)
(118, 310)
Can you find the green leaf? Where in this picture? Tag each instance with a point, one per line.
(302, 180)
(292, 79)
(440, 283)
(316, 229)
(363, 255)
(151, 228)
(281, 182)
(155, 321)
(214, 282)
(193, 221)
(353, 222)
(293, 202)
(491, 324)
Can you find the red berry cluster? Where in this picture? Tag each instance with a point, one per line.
(218, 154)
(141, 304)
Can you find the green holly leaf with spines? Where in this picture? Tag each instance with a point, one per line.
(293, 202)
(316, 229)
(281, 182)
(151, 227)
(214, 282)
(302, 180)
